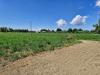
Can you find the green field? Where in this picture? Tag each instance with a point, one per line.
(14, 46)
(88, 36)
(19, 45)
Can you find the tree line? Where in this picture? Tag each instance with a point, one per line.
(75, 30)
(70, 30)
(5, 29)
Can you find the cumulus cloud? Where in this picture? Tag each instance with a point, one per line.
(61, 22)
(79, 20)
(98, 3)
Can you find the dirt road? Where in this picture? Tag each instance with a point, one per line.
(80, 59)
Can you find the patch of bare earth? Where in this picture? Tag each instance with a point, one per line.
(80, 59)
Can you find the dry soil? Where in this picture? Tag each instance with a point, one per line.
(80, 59)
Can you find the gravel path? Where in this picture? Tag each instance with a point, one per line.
(80, 59)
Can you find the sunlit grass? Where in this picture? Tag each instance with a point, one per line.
(19, 45)
(14, 46)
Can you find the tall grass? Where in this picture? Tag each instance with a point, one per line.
(19, 45)
(88, 36)
(14, 46)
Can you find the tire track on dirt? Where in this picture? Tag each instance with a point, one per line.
(80, 59)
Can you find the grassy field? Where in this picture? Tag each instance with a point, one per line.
(88, 36)
(14, 46)
(19, 45)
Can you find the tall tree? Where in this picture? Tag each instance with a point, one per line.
(97, 27)
(59, 30)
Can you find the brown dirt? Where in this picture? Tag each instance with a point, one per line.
(80, 59)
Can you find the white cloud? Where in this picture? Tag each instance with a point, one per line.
(98, 3)
(61, 22)
(79, 20)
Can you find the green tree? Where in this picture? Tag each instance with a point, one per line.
(59, 30)
(70, 30)
(75, 30)
(97, 27)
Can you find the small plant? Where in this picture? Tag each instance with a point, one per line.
(2, 53)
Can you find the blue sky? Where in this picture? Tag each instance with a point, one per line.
(48, 13)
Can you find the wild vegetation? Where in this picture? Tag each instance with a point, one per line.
(88, 36)
(18, 45)
(15, 45)
(97, 27)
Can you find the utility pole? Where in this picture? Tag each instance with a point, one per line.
(31, 28)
